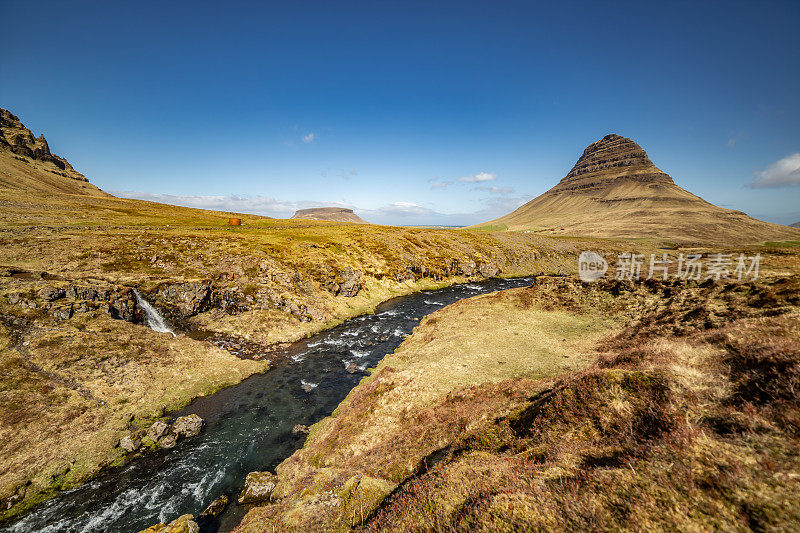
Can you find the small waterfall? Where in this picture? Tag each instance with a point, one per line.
(154, 320)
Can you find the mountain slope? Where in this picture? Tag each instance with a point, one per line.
(333, 214)
(614, 190)
(26, 163)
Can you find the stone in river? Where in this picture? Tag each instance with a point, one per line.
(187, 426)
(216, 507)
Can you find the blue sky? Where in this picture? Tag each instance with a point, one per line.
(410, 112)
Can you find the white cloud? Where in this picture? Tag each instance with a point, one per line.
(782, 173)
(309, 138)
(479, 177)
(439, 184)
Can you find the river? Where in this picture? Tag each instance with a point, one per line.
(247, 427)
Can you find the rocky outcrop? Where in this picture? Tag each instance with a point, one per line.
(163, 434)
(331, 214)
(63, 300)
(258, 487)
(183, 299)
(19, 140)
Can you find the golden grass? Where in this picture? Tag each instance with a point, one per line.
(69, 391)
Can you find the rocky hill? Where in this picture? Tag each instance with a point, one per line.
(614, 190)
(26, 162)
(333, 214)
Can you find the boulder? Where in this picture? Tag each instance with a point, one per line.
(187, 426)
(258, 487)
(130, 443)
(216, 507)
(157, 430)
(182, 524)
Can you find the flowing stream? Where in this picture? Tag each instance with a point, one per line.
(247, 427)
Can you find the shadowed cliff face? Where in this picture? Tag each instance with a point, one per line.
(26, 163)
(15, 137)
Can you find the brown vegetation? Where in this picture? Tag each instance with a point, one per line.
(688, 420)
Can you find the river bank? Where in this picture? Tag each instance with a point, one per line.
(248, 426)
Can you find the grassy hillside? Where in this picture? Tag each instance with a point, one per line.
(613, 406)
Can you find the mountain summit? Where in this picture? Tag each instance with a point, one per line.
(612, 158)
(614, 190)
(26, 162)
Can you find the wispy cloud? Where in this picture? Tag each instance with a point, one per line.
(396, 213)
(438, 184)
(479, 177)
(782, 173)
(504, 191)
(257, 205)
(310, 137)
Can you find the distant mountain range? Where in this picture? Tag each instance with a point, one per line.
(795, 225)
(614, 190)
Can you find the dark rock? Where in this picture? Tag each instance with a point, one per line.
(50, 294)
(63, 313)
(183, 299)
(216, 507)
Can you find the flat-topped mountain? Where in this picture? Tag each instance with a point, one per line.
(26, 162)
(333, 214)
(614, 190)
